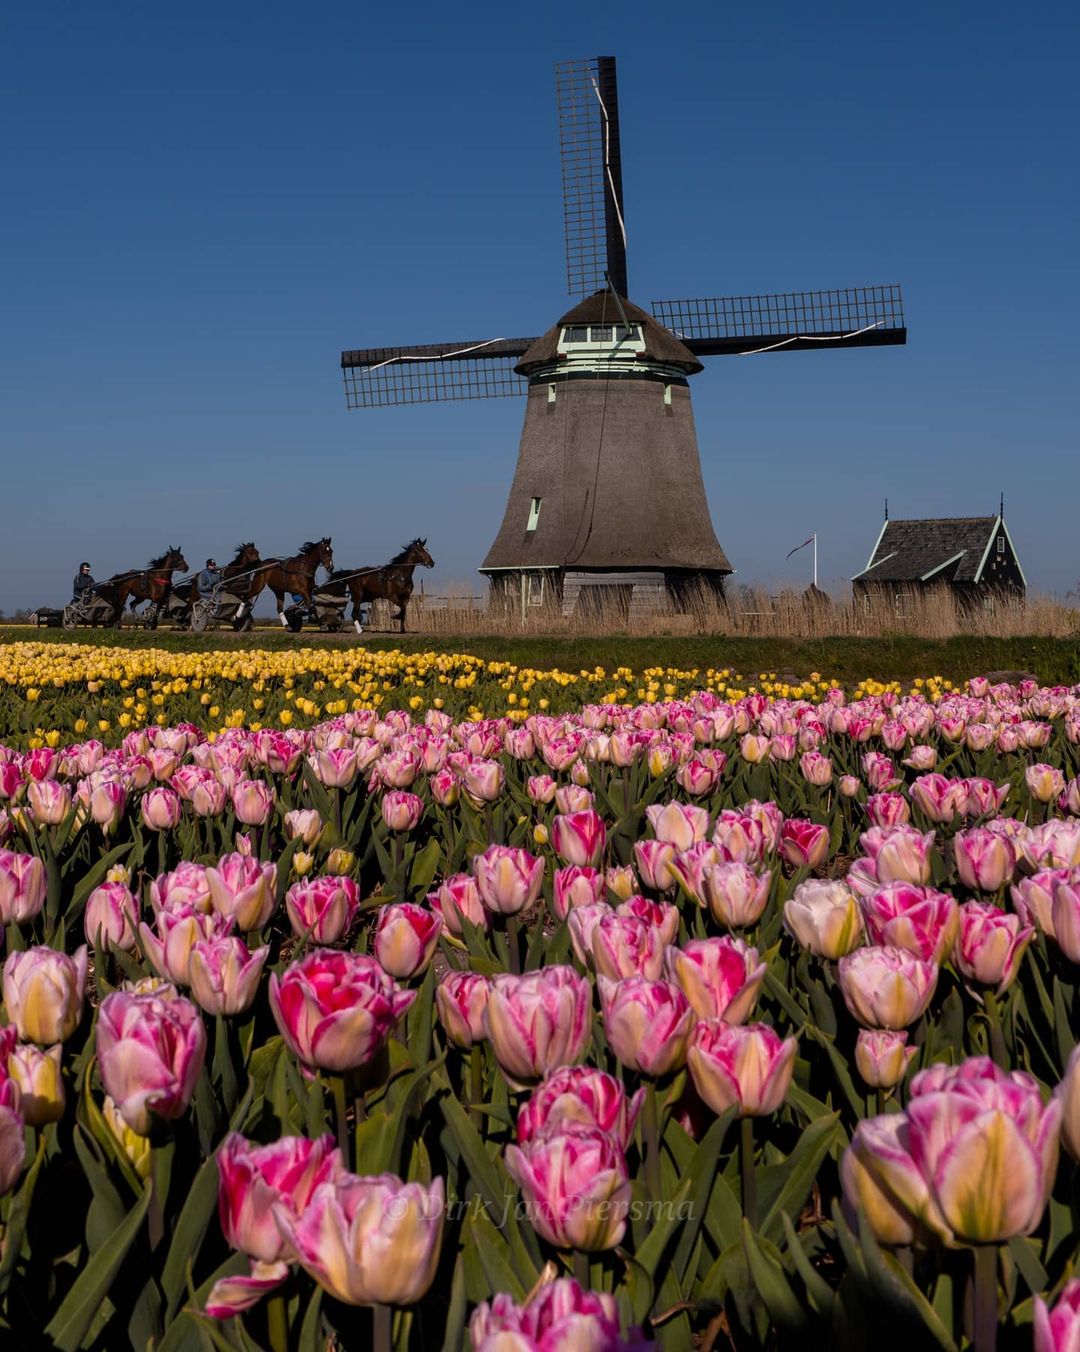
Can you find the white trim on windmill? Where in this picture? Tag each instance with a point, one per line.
(937, 569)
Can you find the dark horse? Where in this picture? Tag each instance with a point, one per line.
(392, 581)
(237, 579)
(152, 583)
(294, 575)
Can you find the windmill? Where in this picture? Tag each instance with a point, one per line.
(607, 499)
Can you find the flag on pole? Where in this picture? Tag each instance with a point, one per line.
(798, 547)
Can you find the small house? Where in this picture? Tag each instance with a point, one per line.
(973, 556)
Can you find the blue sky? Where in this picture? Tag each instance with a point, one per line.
(204, 203)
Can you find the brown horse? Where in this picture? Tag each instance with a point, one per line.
(237, 579)
(152, 583)
(392, 581)
(294, 575)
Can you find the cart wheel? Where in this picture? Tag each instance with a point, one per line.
(200, 618)
(70, 622)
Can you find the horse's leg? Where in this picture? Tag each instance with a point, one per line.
(357, 593)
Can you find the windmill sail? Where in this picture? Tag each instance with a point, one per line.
(589, 144)
(792, 321)
(433, 372)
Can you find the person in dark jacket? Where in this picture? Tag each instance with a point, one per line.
(83, 585)
(209, 579)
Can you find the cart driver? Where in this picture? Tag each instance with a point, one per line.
(83, 584)
(209, 579)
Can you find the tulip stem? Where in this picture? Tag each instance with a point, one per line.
(746, 1167)
(277, 1324)
(581, 1269)
(513, 951)
(651, 1132)
(337, 1084)
(381, 1332)
(476, 1084)
(997, 1041)
(986, 1323)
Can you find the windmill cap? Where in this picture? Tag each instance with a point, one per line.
(661, 345)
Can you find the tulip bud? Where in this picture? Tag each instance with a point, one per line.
(304, 823)
(22, 886)
(458, 896)
(576, 886)
(990, 944)
(160, 809)
(720, 977)
(654, 859)
(44, 993)
(804, 844)
(745, 1067)
(849, 786)
(401, 811)
(135, 1147)
(224, 975)
(886, 987)
(111, 917)
(579, 838)
(538, 1022)
(508, 879)
(589, 1318)
(621, 881)
(50, 802)
(824, 917)
(883, 1057)
(405, 939)
(1056, 1330)
(324, 908)
(150, 1052)
(340, 861)
(41, 1085)
(578, 1097)
(575, 1186)
(243, 890)
(647, 1023)
(460, 999)
(735, 895)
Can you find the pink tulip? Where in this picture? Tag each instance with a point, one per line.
(681, 824)
(401, 811)
(160, 809)
(980, 797)
(243, 890)
(624, 945)
(186, 885)
(660, 915)
(22, 886)
(1068, 802)
(1044, 782)
(1033, 898)
(106, 802)
(849, 786)
(508, 879)
(224, 975)
(576, 1097)
(538, 1022)
(460, 999)
(575, 1187)
(900, 853)
(745, 1067)
(483, 781)
(12, 1147)
(699, 775)
(168, 945)
(40, 1084)
(753, 748)
(253, 801)
(405, 939)
(887, 810)
(458, 896)
(254, 1179)
(304, 823)
(804, 844)
(322, 908)
(540, 788)
(720, 977)
(735, 895)
(111, 917)
(572, 798)
(919, 919)
(336, 769)
(12, 781)
(444, 787)
(150, 1052)
(44, 992)
(398, 769)
(886, 987)
(921, 758)
(654, 859)
(368, 1241)
(689, 868)
(559, 1317)
(49, 801)
(577, 886)
(1068, 1093)
(972, 1160)
(985, 860)
(1057, 1329)
(647, 1023)
(336, 1010)
(816, 769)
(936, 797)
(582, 922)
(990, 944)
(883, 1057)
(579, 838)
(208, 798)
(1066, 918)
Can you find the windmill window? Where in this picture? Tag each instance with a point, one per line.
(535, 592)
(601, 333)
(576, 333)
(534, 514)
(1001, 544)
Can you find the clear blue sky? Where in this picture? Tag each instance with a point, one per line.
(202, 204)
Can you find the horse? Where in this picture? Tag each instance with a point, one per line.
(391, 581)
(295, 574)
(237, 578)
(152, 583)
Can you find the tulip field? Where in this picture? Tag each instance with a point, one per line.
(359, 999)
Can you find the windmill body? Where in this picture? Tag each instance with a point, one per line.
(607, 500)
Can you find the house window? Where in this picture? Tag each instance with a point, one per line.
(535, 589)
(1001, 544)
(534, 514)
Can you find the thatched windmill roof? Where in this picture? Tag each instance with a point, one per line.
(661, 345)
